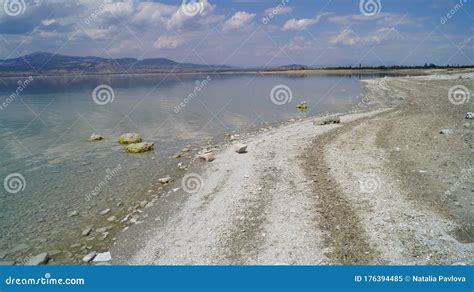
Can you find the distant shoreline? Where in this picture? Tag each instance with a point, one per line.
(302, 72)
(346, 71)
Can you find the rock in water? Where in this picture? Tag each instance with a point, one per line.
(140, 147)
(208, 157)
(95, 137)
(73, 213)
(103, 257)
(470, 115)
(164, 180)
(89, 257)
(40, 259)
(86, 231)
(104, 212)
(303, 106)
(240, 148)
(446, 131)
(130, 138)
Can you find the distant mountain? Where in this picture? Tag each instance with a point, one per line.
(54, 64)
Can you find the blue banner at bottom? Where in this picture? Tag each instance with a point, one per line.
(217, 278)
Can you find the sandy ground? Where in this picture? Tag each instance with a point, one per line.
(382, 187)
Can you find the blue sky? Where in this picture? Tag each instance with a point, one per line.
(245, 32)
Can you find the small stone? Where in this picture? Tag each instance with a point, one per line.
(104, 212)
(86, 231)
(185, 150)
(112, 219)
(40, 259)
(240, 148)
(446, 131)
(103, 257)
(143, 204)
(73, 213)
(470, 115)
(164, 180)
(331, 120)
(76, 245)
(302, 106)
(103, 229)
(95, 137)
(208, 157)
(89, 257)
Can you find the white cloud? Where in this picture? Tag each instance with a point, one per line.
(298, 44)
(238, 20)
(345, 37)
(387, 19)
(298, 24)
(168, 42)
(180, 19)
(278, 10)
(349, 38)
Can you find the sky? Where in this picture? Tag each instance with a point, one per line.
(245, 33)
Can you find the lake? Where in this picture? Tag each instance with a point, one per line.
(56, 183)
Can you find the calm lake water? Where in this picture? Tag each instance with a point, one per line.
(44, 132)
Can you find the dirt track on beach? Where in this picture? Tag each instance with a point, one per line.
(382, 187)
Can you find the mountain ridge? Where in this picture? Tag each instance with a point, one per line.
(44, 63)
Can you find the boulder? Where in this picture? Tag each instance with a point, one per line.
(89, 257)
(95, 137)
(40, 259)
(140, 147)
(103, 257)
(130, 138)
(470, 115)
(208, 157)
(240, 148)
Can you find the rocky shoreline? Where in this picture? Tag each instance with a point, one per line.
(301, 194)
